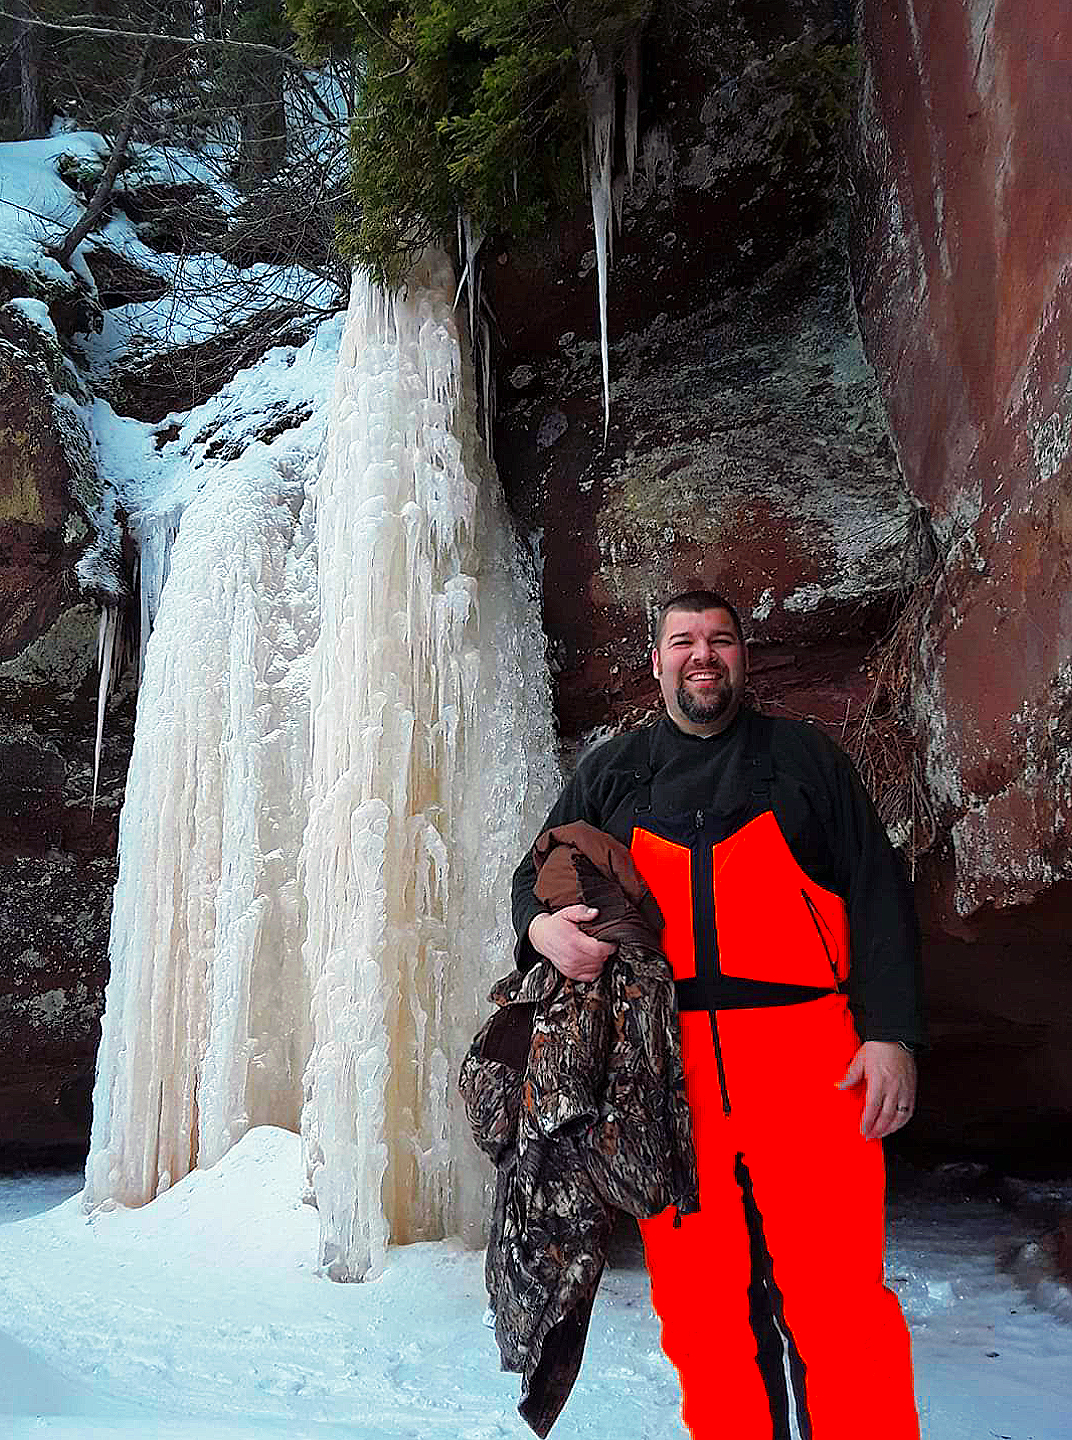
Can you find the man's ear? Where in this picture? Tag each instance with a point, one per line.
(656, 668)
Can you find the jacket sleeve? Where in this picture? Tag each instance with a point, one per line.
(885, 980)
(575, 803)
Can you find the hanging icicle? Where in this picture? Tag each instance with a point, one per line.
(606, 190)
(470, 242)
(154, 533)
(106, 676)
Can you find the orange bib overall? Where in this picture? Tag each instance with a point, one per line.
(771, 1297)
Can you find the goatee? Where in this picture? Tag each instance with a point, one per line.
(703, 712)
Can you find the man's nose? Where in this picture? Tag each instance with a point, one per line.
(701, 651)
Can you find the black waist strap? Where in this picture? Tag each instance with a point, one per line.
(726, 992)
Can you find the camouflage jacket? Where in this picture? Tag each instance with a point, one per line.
(576, 1092)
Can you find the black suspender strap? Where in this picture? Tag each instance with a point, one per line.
(643, 778)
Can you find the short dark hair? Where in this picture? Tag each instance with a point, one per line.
(695, 602)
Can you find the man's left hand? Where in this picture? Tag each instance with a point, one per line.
(890, 1074)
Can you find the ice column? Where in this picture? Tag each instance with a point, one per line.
(431, 746)
(205, 1029)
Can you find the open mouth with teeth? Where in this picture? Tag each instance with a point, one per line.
(704, 695)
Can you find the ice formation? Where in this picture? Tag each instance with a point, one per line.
(607, 184)
(605, 187)
(205, 1028)
(106, 655)
(343, 741)
(430, 747)
(470, 242)
(154, 534)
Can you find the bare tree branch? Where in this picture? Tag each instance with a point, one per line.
(78, 232)
(190, 42)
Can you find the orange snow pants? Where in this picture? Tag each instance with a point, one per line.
(771, 1297)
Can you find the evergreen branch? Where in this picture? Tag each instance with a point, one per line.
(387, 40)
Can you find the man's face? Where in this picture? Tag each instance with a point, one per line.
(701, 666)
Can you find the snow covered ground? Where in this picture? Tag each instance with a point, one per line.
(201, 1316)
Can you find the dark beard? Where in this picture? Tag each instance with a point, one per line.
(702, 712)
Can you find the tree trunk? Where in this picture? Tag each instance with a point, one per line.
(264, 122)
(36, 110)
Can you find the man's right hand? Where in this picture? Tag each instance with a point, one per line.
(559, 938)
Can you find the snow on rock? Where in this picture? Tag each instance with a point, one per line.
(37, 211)
(207, 302)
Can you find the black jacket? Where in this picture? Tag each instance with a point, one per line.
(828, 821)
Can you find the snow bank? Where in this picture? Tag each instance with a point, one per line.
(202, 1316)
(37, 208)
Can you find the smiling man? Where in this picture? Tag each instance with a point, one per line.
(699, 661)
(790, 931)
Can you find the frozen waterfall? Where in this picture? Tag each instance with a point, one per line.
(343, 741)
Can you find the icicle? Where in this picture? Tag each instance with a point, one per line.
(155, 533)
(599, 85)
(470, 240)
(464, 278)
(489, 395)
(474, 239)
(606, 190)
(109, 622)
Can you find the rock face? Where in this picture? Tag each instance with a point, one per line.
(965, 284)
(60, 559)
(57, 869)
(963, 268)
(748, 448)
(50, 509)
